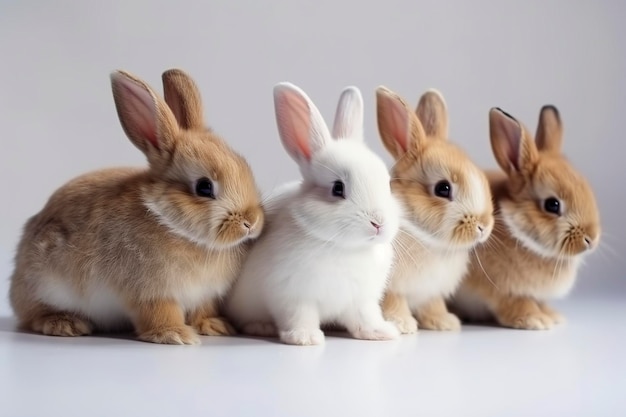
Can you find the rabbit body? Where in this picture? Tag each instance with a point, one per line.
(150, 249)
(323, 258)
(446, 211)
(547, 221)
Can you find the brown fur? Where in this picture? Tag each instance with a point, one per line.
(143, 235)
(423, 156)
(507, 276)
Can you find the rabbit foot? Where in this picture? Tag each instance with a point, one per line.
(302, 337)
(180, 335)
(405, 324)
(534, 321)
(556, 317)
(62, 324)
(259, 328)
(214, 326)
(446, 321)
(384, 331)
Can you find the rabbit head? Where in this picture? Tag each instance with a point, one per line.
(199, 187)
(445, 196)
(547, 205)
(345, 195)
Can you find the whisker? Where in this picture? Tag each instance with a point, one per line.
(483, 269)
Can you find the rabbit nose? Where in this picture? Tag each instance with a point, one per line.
(247, 225)
(377, 226)
(588, 242)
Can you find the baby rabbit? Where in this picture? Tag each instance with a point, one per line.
(447, 211)
(155, 247)
(326, 251)
(546, 221)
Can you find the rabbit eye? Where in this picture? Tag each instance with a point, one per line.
(204, 188)
(443, 189)
(552, 205)
(338, 189)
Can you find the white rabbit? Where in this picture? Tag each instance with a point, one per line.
(327, 249)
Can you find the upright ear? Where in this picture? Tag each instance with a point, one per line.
(145, 118)
(301, 127)
(549, 137)
(433, 114)
(399, 128)
(513, 148)
(349, 115)
(183, 97)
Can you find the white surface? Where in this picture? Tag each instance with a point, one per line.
(58, 120)
(578, 369)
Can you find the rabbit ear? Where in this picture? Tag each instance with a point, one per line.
(433, 114)
(146, 119)
(549, 137)
(300, 124)
(513, 148)
(349, 115)
(183, 97)
(399, 128)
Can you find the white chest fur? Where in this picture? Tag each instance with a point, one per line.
(422, 273)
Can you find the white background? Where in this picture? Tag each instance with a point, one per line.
(58, 120)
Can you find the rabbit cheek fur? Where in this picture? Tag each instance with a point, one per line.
(123, 248)
(325, 255)
(438, 231)
(534, 254)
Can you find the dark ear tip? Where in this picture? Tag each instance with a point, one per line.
(499, 110)
(552, 108)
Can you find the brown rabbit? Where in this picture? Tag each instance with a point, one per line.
(546, 221)
(447, 211)
(156, 247)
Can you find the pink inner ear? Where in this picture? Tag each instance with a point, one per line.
(141, 111)
(294, 123)
(400, 123)
(513, 134)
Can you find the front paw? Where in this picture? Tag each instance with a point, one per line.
(405, 324)
(214, 326)
(302, 337)
(447, 321)
(556, 317)
(532, 321)
(180, 335)
(384, 331)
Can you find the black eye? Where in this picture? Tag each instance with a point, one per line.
(204, 188)
(338, 189)
(552, 205)
(443, 189)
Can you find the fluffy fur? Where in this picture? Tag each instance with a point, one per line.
(322, 258)
(437, 233)
(140, 247)
(533, 254)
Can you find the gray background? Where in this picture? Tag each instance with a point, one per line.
(58, 120)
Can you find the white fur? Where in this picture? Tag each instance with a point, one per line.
(437, 273)
(320, 260)
(97, 302)
(108, 310)
(527, 241)
(476, 197)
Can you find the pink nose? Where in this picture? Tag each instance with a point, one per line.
(376, 225)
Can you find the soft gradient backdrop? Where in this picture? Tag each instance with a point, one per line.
(58, 119)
